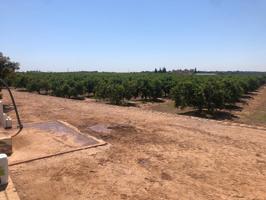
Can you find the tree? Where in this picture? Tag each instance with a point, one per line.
(214, 95)
(78, 88)
(202, 94)
(44, 85)
(198, 98)
(188, 93)
(20, 82)
(144, 88)
(90, 86)
(33, 86)
(57, 89)
(167, 84)
(156, 89)
(66, 90)
(101, 90)
(232, 90)
(115, 93)
(7, 66)
(130, 89)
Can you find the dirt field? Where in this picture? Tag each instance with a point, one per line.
(152, 156)
(255, 111)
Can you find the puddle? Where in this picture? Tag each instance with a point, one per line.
(63, 131)
(100, 128)
(44, 139)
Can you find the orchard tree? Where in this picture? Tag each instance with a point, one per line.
(115, 93)
(144, 88)
(79, 88)
(156, 89)
(101, 90)
(214, 95)
(66, 90)
(232, 90)
(167, 85)
(190, 94)
(33, 86)
(44, 85)
(130, 89)
(20, 82)
(90, 85)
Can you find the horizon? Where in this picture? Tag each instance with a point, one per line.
(134, 36)
(145, 71)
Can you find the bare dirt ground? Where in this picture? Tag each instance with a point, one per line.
(254, 112)
(152, 155)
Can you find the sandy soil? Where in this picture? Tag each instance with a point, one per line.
(152, 156)
(46, 139)
(254, 112)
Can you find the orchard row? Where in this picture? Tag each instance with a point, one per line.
(200, 92)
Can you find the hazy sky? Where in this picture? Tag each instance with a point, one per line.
(134, 35)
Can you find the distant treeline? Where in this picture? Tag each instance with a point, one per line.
(200, 92)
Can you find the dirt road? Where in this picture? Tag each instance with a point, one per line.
(152, 156)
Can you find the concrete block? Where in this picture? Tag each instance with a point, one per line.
(7, 121)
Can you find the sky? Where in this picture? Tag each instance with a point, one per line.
(134, 35)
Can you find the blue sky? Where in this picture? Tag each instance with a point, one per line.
(134, 35)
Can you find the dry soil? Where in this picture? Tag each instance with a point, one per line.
(152, 155)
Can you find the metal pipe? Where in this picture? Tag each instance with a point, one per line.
(20, 126)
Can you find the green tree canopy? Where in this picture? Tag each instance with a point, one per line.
(7, 66)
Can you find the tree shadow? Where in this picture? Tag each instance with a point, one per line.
(233, 107)
(123, 103)
(217, 115)
(247, 96)
(21, 89)
(79, 97)
(151, 100)
(130, 104)
(243, 101)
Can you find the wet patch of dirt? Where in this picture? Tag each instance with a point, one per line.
(100, 128)
(112, 132)
(62, 131)
(47, 138)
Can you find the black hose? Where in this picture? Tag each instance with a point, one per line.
(20, 126)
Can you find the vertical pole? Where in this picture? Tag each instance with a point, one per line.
(1, 112)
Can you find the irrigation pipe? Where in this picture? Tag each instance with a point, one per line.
(57, 154)
(20, 126)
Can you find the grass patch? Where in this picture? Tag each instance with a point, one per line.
(259, 116)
